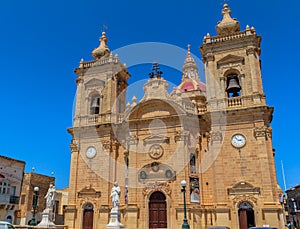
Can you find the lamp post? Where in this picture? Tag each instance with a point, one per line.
(34, 205)
(185, 221)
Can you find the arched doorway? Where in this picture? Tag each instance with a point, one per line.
(157, 210)
(246, 215)
(88, 215)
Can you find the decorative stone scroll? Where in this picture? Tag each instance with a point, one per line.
(74, 147)
(132, 140)
(209, 57)
(106, 144)
(181, 136)
(157, 186)
(216, 136)
(244, 198)
(263, 131)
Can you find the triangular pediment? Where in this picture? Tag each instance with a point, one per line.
(89, 191)
(243, 187)
(93, 83)
(230, 59)
(156, 139)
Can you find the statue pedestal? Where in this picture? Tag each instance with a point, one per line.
(47, 219)
(114, 222)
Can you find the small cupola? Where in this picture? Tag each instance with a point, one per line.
(102, 50)
(228, 25)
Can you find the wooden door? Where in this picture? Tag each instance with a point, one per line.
(246, 215)
(88, 217)
(243, 219)
(157, 211)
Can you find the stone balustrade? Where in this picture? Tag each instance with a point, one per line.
(102, 61)
(239, 35)
(234, 102)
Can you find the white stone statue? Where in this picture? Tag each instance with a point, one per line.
(115, 195)
(50, 197)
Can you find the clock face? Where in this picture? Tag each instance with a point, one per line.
(91, 152)
(238, 140)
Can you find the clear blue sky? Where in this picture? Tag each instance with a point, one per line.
(42, 42)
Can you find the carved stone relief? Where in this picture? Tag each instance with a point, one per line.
(157, 186)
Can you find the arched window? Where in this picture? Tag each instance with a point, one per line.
(192, 163)
(9, 219)
(95, 104)
(4, 187)
(233, 88)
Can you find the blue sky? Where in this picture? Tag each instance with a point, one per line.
(42, 42)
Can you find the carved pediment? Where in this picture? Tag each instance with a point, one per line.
(156, 171)
(230, 59)
(94, 83)
(156, 139)
(90, 192)
(243, 187)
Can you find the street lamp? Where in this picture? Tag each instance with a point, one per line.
(34, 204)
(185, 221)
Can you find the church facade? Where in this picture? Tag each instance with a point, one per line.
(215, 136)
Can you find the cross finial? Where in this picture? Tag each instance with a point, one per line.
(156, 73)
(189, 48)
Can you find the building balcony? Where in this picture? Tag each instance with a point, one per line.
(9, 199)
(14, 199)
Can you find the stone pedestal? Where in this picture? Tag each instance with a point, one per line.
(114, 222)
(46, 222)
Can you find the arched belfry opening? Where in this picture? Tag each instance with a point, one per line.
(95, 104)
(233, 87)
(88, 216)
(157, 210)
(246, 215)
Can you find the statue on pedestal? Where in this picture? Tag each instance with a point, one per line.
(114, 222)
(48, 214)
(115, 195)
(50, 197)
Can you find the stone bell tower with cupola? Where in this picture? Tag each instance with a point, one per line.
(232, 65)
(240, 135)
(100, 101)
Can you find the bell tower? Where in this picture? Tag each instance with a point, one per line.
(232, 65)
(100, 101)
(240, 135)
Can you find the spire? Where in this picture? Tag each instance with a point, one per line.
(228, 24)
(190, 69)
(190, 79)
(102, 50)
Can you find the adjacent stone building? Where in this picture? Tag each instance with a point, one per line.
(216, 136)
(293, 205)
(11, 177)
(30, 181)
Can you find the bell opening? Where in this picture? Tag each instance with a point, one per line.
(95, 105)
(233, 87)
